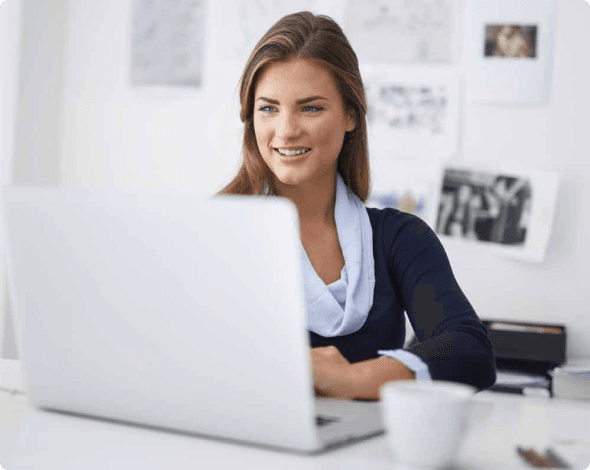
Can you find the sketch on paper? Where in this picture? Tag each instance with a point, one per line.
(401, 30)
(168, 42)
(409, 200)
(400, 106)
(406, 188)
(510, 41)
(512, 212)
(255, 17)
(410, 115)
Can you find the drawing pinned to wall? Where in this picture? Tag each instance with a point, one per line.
(410, 113)
(400, 106)
(168, 42)
(401, 30)
(510, 212)
(510, 51)
(406, 188)
(409, 200)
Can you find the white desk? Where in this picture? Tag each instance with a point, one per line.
(35, 439)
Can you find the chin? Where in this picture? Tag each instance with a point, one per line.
(289, 180)
(302, 175)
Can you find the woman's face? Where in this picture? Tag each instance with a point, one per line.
(299, 121)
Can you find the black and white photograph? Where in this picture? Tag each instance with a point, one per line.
(507, 211)
(486, 207)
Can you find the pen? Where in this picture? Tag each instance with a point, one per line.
(557, 459)
(534, 458)
(549, 460)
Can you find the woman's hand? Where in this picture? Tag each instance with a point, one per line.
(334, 376)
(332, 373)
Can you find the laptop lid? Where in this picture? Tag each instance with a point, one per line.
(163, 308)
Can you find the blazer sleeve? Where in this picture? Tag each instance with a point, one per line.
(452, 340)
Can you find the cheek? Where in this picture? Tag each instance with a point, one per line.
(261, 132)
(330, 137)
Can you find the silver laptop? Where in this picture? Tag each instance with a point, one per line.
(169, 310)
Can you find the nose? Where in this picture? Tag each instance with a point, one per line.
(288, 126)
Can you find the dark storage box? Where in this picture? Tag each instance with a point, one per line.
(546, 347)
(536, 348)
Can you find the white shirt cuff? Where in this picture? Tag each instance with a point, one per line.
(411, 361)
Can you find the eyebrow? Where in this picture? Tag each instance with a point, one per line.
(301, 101)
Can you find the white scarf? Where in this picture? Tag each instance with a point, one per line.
(342, 307)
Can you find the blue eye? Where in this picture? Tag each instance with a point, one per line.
(267, 109)
(312, 109)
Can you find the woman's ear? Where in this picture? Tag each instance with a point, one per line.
(351, 121)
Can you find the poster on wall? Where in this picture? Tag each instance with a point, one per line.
(412, 113)
(510, 51)
(504, 211)
(393, 31)
(168, 42)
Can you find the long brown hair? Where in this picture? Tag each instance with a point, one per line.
(304, 35)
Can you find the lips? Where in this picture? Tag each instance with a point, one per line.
(292, 151)
(296, 155)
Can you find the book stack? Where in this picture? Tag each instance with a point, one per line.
(571, 380)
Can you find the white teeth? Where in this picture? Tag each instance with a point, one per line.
(292, 152)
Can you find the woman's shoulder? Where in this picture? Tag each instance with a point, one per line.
(395, 222)
(402, 234)
(405, 239)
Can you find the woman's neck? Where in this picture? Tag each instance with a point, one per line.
(315, 202)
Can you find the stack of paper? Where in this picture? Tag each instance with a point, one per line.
(522, 383)
(519, 379)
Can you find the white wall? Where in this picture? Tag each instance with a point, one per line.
(34, 93)
(554, 137)
(10, 21)
(115, 135)
(124, 136)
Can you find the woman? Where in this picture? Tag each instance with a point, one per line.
(305, 138)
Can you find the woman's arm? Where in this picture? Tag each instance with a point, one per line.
(368, 376)
(335, 377)
(453, 342)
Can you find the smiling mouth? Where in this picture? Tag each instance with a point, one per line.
(292, 152)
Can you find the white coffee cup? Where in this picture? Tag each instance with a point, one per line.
(425, 421)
